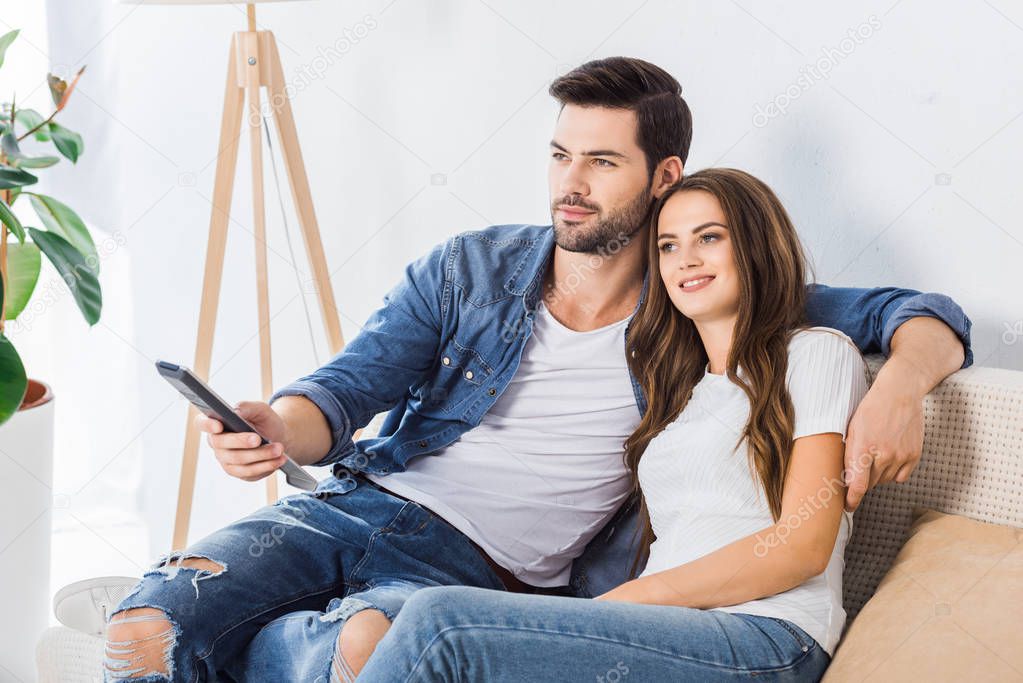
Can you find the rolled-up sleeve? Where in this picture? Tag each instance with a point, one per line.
(871, 316)
(932, 305)
(340, 426)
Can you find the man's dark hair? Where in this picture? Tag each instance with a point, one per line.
(665, 123)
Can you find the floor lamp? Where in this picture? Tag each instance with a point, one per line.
(253, 62)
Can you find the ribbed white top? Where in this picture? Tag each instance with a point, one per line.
(701, 493)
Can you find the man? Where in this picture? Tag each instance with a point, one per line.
(501, 358)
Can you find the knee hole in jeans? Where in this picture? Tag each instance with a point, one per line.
(356, 641)
(140, 642)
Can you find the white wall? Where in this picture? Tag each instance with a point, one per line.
(901, 166)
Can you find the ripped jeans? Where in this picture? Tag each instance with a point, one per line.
(306, 564)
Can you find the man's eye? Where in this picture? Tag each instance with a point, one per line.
(558, 155)
(603, 163)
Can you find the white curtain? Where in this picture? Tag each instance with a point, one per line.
(421, 119)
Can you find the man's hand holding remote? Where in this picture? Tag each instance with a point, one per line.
(294, 425)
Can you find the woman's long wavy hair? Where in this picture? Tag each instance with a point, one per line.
(667, 355)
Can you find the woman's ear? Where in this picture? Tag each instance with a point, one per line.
(667, 173)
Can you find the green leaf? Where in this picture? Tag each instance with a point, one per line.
(13, 381)
(59, 218)
(37, 162)
(5, 42)
(30, 118)
(17, 159)
(73, 270)
(9, 144)
(68, 142)
(8, 218)
(15, 177)
(23, 262)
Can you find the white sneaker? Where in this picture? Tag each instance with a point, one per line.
(85, 605)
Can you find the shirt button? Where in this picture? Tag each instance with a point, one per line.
(446, 360)
(468, 374)
(422, 444)
(492, 392)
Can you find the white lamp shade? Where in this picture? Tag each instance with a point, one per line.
(198, 2)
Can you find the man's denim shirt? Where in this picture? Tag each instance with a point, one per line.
(448, 340)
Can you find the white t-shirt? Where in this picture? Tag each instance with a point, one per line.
(702, 496)
(544, 470)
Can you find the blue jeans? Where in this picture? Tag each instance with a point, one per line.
(471, 634)
(306, 563)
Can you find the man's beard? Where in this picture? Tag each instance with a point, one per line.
(617, 227)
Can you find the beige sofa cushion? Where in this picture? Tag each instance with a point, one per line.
(949, 609)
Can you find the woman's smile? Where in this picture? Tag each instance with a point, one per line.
(695, 284)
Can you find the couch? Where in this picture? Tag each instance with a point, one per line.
(972, 465)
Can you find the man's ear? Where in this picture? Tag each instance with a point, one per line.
(667, 173)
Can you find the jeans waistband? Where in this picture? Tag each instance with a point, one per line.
(511, 583)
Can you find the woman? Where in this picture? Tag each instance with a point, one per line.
(738, 460)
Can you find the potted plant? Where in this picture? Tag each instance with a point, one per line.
(63, 239)
(27, 141)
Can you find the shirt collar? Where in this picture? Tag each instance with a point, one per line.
(528, 274)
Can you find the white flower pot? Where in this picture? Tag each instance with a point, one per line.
(26, 498)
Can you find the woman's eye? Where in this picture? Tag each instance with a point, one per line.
(704, 237)
(666, 247)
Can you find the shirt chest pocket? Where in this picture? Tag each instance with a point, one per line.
(461, 372)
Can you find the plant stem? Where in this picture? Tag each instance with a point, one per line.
(45, 121)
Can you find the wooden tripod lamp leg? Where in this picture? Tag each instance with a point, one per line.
(251, 60)
(223, 186)
(284, 121)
